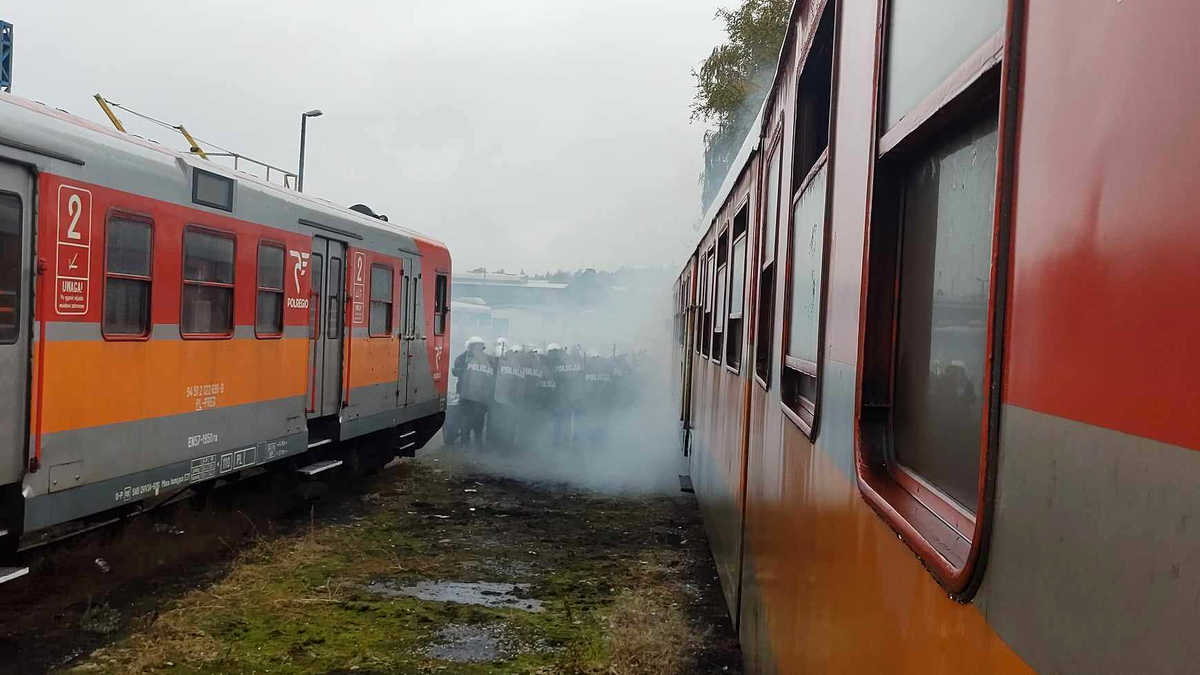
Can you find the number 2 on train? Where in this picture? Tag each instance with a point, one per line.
(74, 208)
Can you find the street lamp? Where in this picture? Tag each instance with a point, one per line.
(315, 112)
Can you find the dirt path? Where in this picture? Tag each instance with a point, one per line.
(440, 568)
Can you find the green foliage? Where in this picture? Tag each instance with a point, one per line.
(733, 80)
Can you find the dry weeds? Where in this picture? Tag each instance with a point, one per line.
(649, 636)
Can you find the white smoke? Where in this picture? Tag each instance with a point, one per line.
(636, 449)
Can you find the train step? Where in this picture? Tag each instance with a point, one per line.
(318, 467)
(685, 484)
(7, 574)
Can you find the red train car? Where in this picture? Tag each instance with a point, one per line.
(937, 351)
(166, 322)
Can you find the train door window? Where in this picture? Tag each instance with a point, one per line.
(404, 313)
(441, 305)
(937, 261)
(709, 299)
(701, 299)
(765, 322)
(314, 305)
(810, 222)
(414, 319)
(380, 323)
(721, 288)
(127, 277)
(737, 289)
(208, 273)
(268, 314)
(10, 267)
(333, 300)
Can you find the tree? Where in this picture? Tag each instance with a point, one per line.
(732, 82)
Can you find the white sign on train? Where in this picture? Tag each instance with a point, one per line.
(73, 251)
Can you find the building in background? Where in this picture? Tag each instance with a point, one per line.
(601, 311)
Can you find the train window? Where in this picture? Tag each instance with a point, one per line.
(317, 268)
(814, 96)
(10, 267)
(936, 264)
(212, 190)
(721, 297)
(127, 283)
(701, 300)
(207, 302)
(268, 317)
(710, 295)
(405, 315)
(927, 40)
(765, 322)
(737, 289)
(946, 250)
(380, 323)
(441, 305)
(806, 244)
(414, 289)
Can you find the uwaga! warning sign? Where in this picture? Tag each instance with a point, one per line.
(73, 251)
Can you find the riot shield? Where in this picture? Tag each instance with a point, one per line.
(569, 377)
(510, 380)
(478, 378)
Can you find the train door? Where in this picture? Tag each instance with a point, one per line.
(414, 341)
(16, 212)
(326, 326)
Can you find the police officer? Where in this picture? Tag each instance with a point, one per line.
(509, 398)
(476, 378)
(533, 417)
(556, 403)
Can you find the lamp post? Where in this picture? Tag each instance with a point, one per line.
(315, 112)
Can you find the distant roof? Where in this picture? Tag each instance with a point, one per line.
(495, 279)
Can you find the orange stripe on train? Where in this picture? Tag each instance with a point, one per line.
(90, 384)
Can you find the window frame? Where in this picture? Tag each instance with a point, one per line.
(720, 295)
(17, 295)
(391, 315)
(742, 205)
(805, 412)
(196, 199)
(149, 332)
(259, 288)
(709, 306)
(767, 332)
(315, 294)
(225, 234)
(950, 541)
(441, 311)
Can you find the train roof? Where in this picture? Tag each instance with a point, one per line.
(754, 134)
(35, 127)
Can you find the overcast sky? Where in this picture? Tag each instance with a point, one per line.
(530, 134)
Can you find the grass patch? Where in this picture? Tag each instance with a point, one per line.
(611, 587)
(100, 619)
(648, 635)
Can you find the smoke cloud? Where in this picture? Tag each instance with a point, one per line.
(629, 445)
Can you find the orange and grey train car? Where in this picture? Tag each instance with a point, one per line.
(165, 322)
(960, 431)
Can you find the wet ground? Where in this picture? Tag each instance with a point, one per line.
(432, 566)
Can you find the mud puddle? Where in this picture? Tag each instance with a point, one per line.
(481, 593)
